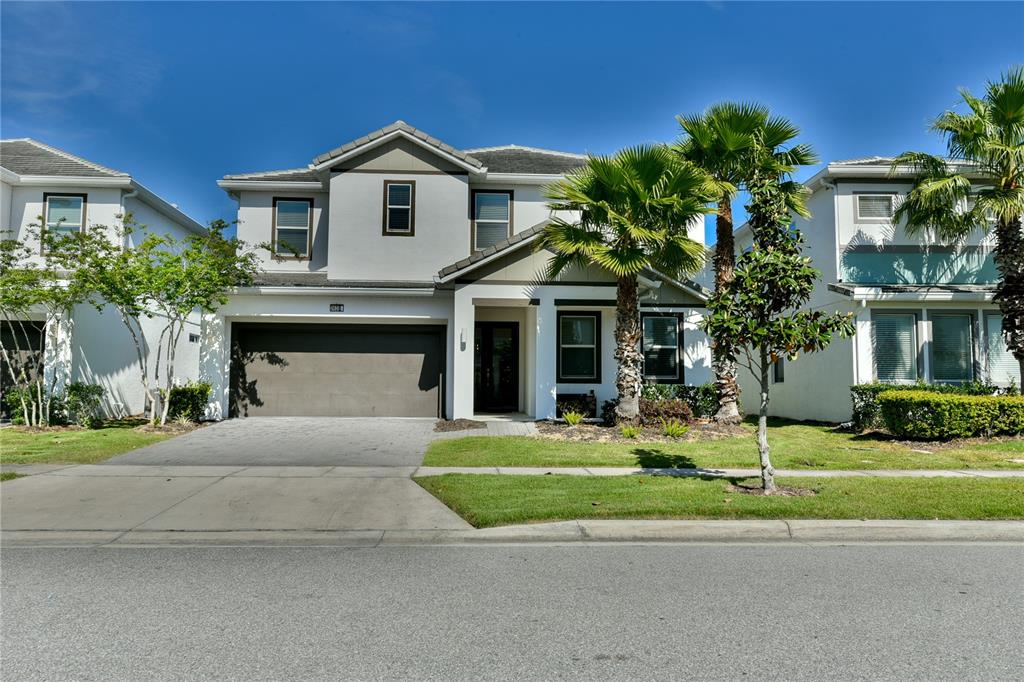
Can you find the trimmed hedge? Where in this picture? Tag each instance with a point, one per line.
(867, 413)
(652, 411)
(189, 400)
(941, 416)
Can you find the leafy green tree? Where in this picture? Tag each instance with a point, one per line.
(979, 187)
(724, 140)
(630, 212)
(32, 286)
(757, 317)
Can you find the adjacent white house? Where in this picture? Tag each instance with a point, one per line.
(49, 188)
(405, 282)
(924, 309)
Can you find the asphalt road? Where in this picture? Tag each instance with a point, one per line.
(901, 612)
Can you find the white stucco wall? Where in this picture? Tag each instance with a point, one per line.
(255, 226)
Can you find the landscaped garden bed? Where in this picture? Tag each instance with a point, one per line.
(601, 433)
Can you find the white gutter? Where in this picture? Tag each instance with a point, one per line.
(524, 178)
(332, 291)
(875, 294)
(270, 185)
(124, 182)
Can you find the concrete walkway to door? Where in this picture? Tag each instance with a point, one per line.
(294, 441)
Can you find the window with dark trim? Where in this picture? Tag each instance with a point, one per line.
(63, 214)
(579, 347)
(662, 343)
(292, 227)
(492, 217)
(875, 206)
(952, 347)
(400, 207)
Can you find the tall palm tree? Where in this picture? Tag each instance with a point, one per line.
(979, 186)
(630, 212)
(728, 140)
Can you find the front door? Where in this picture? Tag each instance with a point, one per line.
(496, 367)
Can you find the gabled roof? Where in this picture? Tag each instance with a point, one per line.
(397, 129)
(26, 156)
(513, 158)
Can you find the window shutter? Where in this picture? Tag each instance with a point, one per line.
(951, 348)
(874, 206)
(895, 348)
(1002, 366)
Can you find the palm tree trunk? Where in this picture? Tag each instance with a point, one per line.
(628, 379)
(1009, 259)
(725, 262)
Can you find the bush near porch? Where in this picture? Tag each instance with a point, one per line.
(929, 415)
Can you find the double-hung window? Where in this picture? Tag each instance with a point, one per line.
(293, 225)
(63, 214)
(400, 207)
(952, 347)
(895, 347)
(492, 217)
(875, 207)
(661, 335)
(579, 347)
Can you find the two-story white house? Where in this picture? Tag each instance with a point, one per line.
(404, 282)
(924, 309)
(48, 188)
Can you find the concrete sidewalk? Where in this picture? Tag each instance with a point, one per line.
(723, 473)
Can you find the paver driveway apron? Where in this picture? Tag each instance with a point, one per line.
(294, 441)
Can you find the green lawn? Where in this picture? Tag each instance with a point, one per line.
(10, 476)
(86, 446)
(494, 500)
(794, 445)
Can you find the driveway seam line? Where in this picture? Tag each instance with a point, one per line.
(163, 511)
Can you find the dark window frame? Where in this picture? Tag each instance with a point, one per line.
(779, 370)
(680, 368)
(411, 232)
(596, 377)
(309, 231)
(472, 213)
(974, 349)
(46, 211)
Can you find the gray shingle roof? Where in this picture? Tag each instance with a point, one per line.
(504, 245)
(319, 279)
(29, 157)
(515, 159)
(387, 130)
(290, 175)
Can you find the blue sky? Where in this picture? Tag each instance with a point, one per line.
(180, 94)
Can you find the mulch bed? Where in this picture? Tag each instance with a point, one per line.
(599, 433)
(447, 425)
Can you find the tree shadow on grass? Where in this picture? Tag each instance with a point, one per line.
(659, 459)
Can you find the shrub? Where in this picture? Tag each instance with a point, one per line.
(189, 400)
(941, 416)
(702, 400)
(654, 412)
(82, 403)
(572, 418)
(629, 431)
(674, 428)
(583, 403)
(867, 412)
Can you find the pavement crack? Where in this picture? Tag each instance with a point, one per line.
(164, 511)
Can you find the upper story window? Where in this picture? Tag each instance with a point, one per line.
(63, 214)
(875, 207)
(579, 347)
(400, 207)
(293, 223)
(492, 217)
(661, 335)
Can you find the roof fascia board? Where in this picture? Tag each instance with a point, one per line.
(333, 291)
(875, 294)
(270, 185)
(121, 181)
(383, 139)
(524, 178)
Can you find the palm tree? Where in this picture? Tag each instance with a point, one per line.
(728, 140)
(979, 186)
(630, 212)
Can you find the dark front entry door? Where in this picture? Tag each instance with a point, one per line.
(496, 359)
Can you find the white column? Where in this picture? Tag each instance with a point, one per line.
(57, 353)
(545, 366)
(463, 321)
(863, 368)
(215, 363)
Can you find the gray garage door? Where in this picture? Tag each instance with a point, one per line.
(337, 370)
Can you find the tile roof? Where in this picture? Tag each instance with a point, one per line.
(512, 242)
(849, 288)
(865, 161)
(319, 279)
(30, 157)
(387, 130)
(515, 159)
(290, 175)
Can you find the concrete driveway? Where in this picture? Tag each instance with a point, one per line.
(294, 441)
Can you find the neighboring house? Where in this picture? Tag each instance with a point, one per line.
(405, 283)
(924, 309)
(42, 185)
